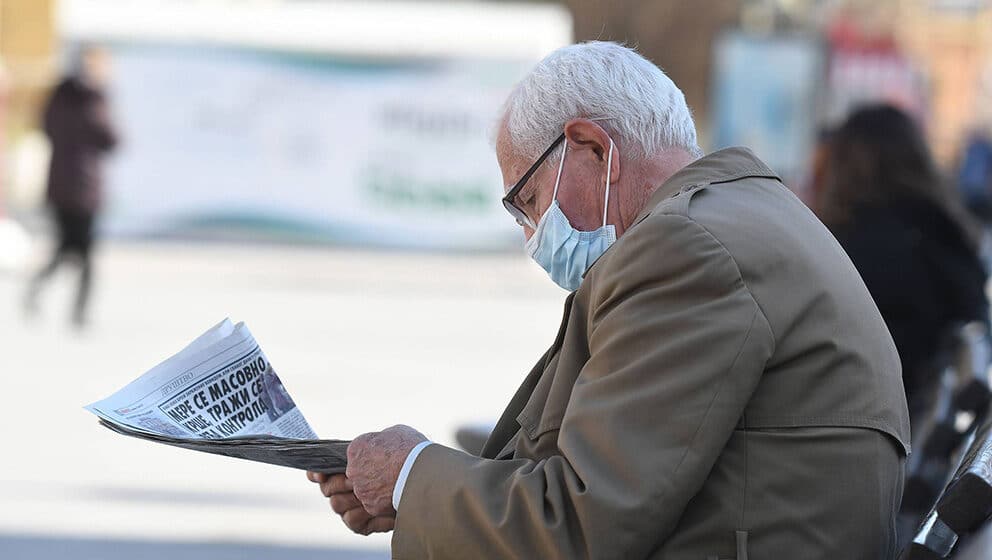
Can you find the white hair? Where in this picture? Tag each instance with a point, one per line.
(602, 81)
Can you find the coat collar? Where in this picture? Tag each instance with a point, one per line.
(722, 166)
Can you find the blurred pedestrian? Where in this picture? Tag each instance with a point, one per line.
(881, 194)
(78, 125)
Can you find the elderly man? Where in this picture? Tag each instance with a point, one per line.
(722, 385)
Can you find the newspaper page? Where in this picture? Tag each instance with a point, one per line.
(221, 395)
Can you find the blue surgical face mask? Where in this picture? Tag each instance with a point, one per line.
(563, 251)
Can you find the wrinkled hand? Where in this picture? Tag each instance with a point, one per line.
(339, 489)
(374, 464)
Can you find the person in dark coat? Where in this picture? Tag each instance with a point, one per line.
(882, 196)
(78, 126)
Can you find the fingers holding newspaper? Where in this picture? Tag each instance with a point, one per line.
(363, 497)
(338, 488)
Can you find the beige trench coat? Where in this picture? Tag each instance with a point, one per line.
(722, 387)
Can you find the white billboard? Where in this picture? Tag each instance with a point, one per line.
(315, 143)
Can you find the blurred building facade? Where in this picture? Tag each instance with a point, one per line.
(947, 43)
(928, 55)
(27, 51)
(952, 40)
(27, 47)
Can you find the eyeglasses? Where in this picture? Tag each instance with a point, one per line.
(510, 200)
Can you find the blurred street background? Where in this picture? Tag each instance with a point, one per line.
(322, 171)
(366, 340)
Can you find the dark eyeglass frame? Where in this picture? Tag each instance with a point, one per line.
(510, 200)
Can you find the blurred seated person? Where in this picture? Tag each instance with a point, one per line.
(880, 193)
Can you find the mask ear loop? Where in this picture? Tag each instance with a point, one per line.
(609, 167)
(561, 164)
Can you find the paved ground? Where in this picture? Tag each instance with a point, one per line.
(129, 549)
(362, 340)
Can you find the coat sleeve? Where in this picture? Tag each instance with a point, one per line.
(677, 345)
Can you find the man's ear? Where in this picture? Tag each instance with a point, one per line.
(586, 134)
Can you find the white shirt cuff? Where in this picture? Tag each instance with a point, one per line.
(405, 472)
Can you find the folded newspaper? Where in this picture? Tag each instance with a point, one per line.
(221, 395)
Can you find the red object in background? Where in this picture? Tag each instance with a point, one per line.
(869, 67)
(846, 35)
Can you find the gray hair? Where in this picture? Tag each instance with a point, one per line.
(605, 81)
